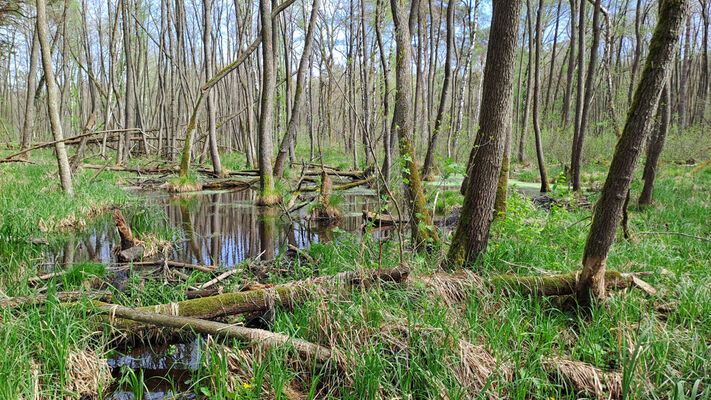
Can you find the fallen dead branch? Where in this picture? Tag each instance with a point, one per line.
(64, 297)
(346, 186)
(265, 299)
(176, 264)
(379, 220)
(676, 234)
(306, 350)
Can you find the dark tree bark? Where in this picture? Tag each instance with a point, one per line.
(420, 218)
(654, 148)
(472, 234)
(640, 119)
(432, 147)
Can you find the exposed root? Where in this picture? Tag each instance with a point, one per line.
(586, 379)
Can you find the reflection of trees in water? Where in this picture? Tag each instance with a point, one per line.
(219, 228)
(267, 231)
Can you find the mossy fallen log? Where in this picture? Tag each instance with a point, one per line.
(306, 350)
(265, 299)
(64, 297)
(560, 285)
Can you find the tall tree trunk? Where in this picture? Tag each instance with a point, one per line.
(298, 95)
(579, 138)
(529, 86)
(432, 147)
(29, 121)
(684, 77)
(571, 64)
(420, 219)
(654, 148)
(472, 234)
(65, 175)
(267, 194)
(640, 119)
(210, 100)
(387, 134)
(551, 74)
(536, 100)
(130, 101)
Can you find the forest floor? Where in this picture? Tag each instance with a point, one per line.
(437, 334)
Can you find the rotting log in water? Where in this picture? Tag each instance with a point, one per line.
(227, 184)
(565, 284)
(64, 297)
(124, 230)
(379, 220)
(265, 299)
(306, 350)
(346, 186)
(131, 249)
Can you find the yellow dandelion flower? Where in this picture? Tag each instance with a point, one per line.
(246, 385)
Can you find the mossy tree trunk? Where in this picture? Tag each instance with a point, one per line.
(267, 194)
(65, 174)
(472, 234)
(640, 119)
(421, 220)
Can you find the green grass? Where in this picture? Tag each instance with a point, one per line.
(402, 341)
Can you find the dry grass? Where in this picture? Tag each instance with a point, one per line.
(586, 379)
(87, 373)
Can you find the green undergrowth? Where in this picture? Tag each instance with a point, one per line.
(424, 339)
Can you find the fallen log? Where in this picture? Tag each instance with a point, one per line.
(565, 284)
(379, 220)
(176, 264)
(64, 297)
(342, 187)
(270, 340)
(70, 140)
(144, 171)
(226, 184)
(265, 299)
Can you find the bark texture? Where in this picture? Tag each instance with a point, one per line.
(65, 174)
(472, 234)
(640, 118)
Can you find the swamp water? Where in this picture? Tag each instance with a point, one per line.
(221, 228)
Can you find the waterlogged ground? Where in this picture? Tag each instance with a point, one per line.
(221, 228)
